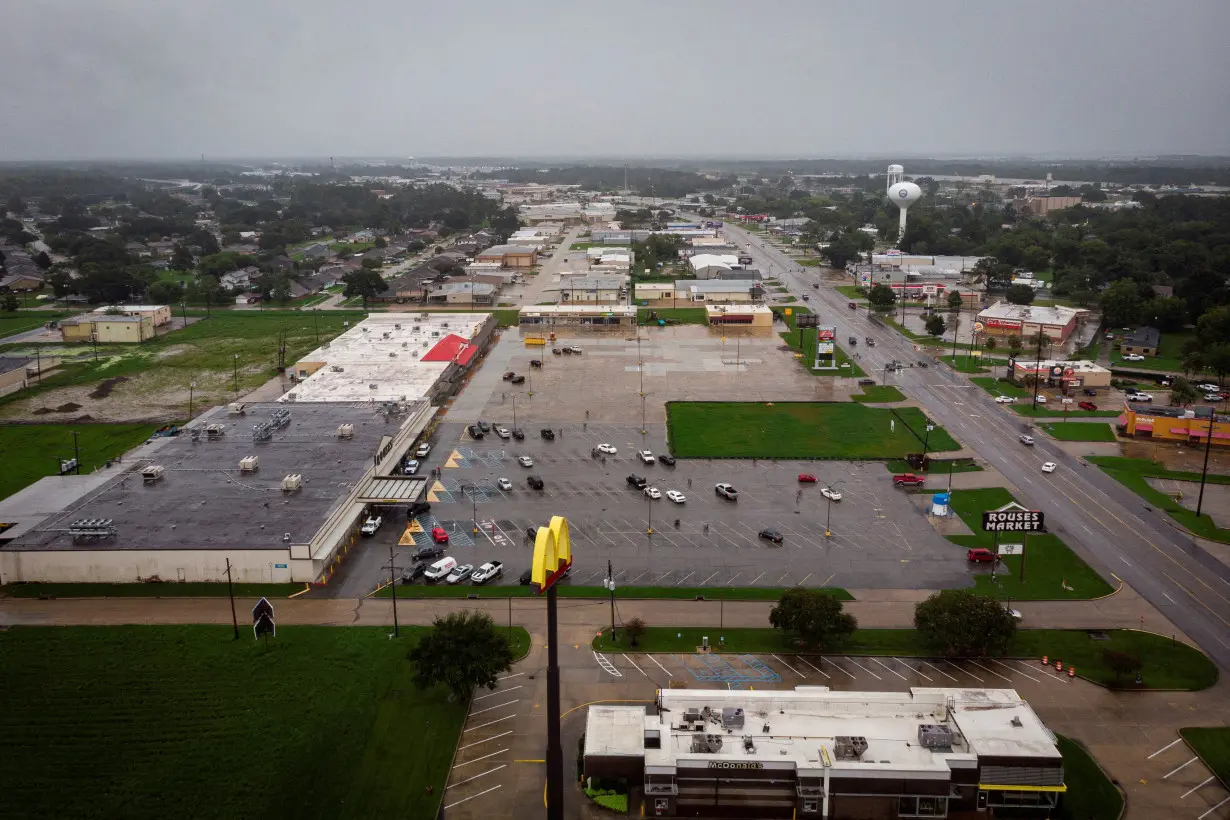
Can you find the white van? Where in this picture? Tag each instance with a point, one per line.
(439, 569)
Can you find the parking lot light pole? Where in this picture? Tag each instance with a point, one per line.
(828, 518)
(609, 583)
(469, 488)
(393, 584)
(926, 441)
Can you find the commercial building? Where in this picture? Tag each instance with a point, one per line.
(718, 290)
(1190, 425)
(463, 293)
(709, 265)
(592, 287)
(594, 317)
(1143, 341)
(510, 256)
(13, 373)
(1042, 205)
(818, 753)
(653, 292)
(749, 315)
(160, 315)
(1066, 375)
(107, 329)
(1026, 321)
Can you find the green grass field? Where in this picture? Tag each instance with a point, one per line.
(23, 320)
(1091, 795)
(683, 316)
(1132, 472)
(803, 340)
(1079, 431)
(33, 451)
(1213, 746)
(623, 592)
(1167, 664)
(879, 394)
(183, 721)
(1169, 356)
(810, 262)
(799, 430)
(1052, 570)
(851, 292)
(164, 590)
(973, 364)
(1054, 411)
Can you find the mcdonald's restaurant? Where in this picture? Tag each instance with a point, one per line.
(813, 752)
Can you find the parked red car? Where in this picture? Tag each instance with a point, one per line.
(907, 478)
(1087, 405)
(981, 556)
(439, 535)
(807, 478)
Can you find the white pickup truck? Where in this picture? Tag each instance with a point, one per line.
(371, 525)
(487, 572)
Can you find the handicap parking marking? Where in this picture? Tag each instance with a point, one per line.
(606, 665)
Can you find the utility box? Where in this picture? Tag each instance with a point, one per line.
(292, 483)
(152, 473)
(250, 464)
(235, 408)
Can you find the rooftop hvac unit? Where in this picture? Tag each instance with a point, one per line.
(152, 473)
(373, 386)
(435, 334)
(444, 324)
(934, 736)
(292, 483)
(847, 747)
(249, 464)
(385, 335)
(706, 744)
(732, 718)
(345, 430)
(92, 528)
(235, 408)
(392, 354)
(337, 368)
(214, 430)
(292, 396)
(405, 344)
(425, 344)
(397, 325)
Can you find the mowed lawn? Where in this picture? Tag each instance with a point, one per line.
(838, 430)
(1080, 431)
(184, 722)
(33, 451)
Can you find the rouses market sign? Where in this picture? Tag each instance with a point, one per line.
(1018, 520)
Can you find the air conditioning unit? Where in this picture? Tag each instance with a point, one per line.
(214, 430)
(249, 464)
(235, 408)
(934, 736)
(345, 430)
(292, 483)
(152, 473)
(337, 368)
(373, 386)
(847, 747)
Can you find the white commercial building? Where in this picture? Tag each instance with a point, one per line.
(708, 265)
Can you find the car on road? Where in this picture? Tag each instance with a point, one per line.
(424, 450)
(646, 456)
(1133, 357)
(653, 492)
(726, 491)
(411, 467)
(771, 535)
(487, 572)
(508, 375)
(637, 482)
(607, 448)
(1014, 614)
(535, 362)
(830, 494)
(525, 461)
(1004, 399)
(535, 482)
(807, 478)
(460, 574)
(432, 550)
(1087, 405)
(503, 484)
(547, 433)
(1109, 336)
(475, 431)
(1025, 439)
(503, 432)
(1049, 467)
(1089, 391)
(866, 382)
(870, 341)
(371, 525)
(1216, 397)
(517, 380)
(852, 305)
(412, 573)
(1138, 396)
(981, 556)
(1208, 388)
(805, 298)
(904, 479)
(676, 496)
(439, 570)
(439, 535)
(667, 459)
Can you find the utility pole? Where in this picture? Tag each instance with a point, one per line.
(77, 453)
(609, 583)
(230, 591)
(393, 583)
(191, 390)
(1204, 471)
(1037, 367)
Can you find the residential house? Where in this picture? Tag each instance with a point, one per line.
(139, 250)
(283, 262)
(448, 261)
(239, 279)
(1143, 341)
(317, 251)
(411, 286)
(21, 280)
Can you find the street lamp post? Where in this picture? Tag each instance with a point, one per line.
(1204, 471)
(828, 517)
(235, 368)
(926, 441)
(191, 389)
(609, 583)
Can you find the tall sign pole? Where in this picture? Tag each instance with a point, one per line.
(552, 558)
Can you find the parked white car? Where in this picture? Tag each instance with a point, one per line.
(1140, 397)
(423, 450)
(1040, 399)
(1049, 467)
(653, 492)
(525, 461)
(607, 449)
(1133, 357)
(646, 456)
(503, 484)
(676, 496)
(1004, 399)
(831, 495)
(503, 432)
(371, 525)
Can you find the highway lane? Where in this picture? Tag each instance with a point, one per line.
(1105, 523)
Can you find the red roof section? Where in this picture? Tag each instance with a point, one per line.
(452, 348)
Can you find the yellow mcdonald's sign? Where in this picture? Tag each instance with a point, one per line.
(552, 554)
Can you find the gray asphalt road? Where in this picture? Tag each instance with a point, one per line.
(1109, 526)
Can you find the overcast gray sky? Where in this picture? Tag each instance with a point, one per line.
(231, 78)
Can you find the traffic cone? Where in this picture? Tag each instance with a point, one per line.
(1045, 662)
(1071, 671)
(1058, 666)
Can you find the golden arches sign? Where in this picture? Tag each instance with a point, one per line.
(552, 554)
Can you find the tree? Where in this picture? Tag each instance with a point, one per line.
(954, 300)
(42, 260)
(1122, 665)
(181, 257)
(959, 623)
(1121, 304)
(370, 264)
(635, 629)
(10, 303)
(463, 651)
(381, 242)
(1166, 313)
(16, 205)
(881, 297)
(989, 344)
(1020, 294)
(935, 325)
(365, 283)
(1014, 346)
(817, 619)
(164, 293)
(280, 291)
(1182, 392)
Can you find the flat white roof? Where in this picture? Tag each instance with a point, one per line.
(615, 730)
(737, 307)
(1029, 313)
(579, 310)
(131, 308)
(1081, 366)
(701, 260)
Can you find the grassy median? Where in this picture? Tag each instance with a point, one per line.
(1213, 746)
(1134, 473)
(1091, 795)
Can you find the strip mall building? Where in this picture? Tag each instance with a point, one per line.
(1006, 319)
(1185, 424)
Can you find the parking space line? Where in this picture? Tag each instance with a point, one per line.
(1215, 808)
(1164, 748)
(783, 578)
(941, 671)
(475, 760)
(492, 723)
(513, 675)
(477, 776)
(788, 666)
(916, 671)
(1194, 788)
(686, 577)
(499, 692)
(731, 582)
(959, 669)
(805, 577)
(639, 577)
(493, 708)
(1011, 669)
(865, 669)
(662, 577)
(757, 578)
(1049, 677)
(992, 671)
(707, 580)
(1180, 766)
(629, 660)
(484, 740)
(804, 660)
(889, 668)
(660, 666)
(471, 797)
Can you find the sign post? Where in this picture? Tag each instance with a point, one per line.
(552, 558)
(263, 622)
(1013, 517)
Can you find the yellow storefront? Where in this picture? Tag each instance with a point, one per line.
(1189, 425)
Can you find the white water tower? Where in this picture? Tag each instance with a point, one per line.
(902, 194)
